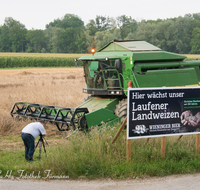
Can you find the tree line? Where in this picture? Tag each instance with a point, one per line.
(70, 35)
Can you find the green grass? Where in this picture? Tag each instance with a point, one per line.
(93, 156)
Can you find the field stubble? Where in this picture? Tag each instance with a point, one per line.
(57, 87)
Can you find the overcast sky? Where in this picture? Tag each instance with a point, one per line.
(37, 13)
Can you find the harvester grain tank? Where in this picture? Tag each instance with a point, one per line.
(108, 73)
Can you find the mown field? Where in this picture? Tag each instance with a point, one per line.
(83, 155)
(51, 86)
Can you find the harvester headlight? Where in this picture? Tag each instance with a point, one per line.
(117, 92)
(93, 50)
(112, 92)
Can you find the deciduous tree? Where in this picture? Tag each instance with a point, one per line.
(69, 20)
(195, 41)
(36, 41)
(13, 36)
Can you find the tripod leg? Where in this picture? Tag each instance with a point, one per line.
(36, 144)
(44, 147)
(40, 150)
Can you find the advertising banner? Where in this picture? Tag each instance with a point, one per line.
(154, 112)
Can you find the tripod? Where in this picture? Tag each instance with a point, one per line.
(41, 141)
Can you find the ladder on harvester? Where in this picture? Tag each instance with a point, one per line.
(63, 118)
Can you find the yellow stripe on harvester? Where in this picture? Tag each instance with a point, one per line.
(131, 61)
(188, 85)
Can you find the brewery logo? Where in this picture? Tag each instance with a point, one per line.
(140, 129)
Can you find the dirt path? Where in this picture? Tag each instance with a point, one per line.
(175, 182)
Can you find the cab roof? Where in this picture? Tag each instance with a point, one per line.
(138, 50)
(132, 46)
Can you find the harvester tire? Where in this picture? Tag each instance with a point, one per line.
(83, 124)
(121, 109)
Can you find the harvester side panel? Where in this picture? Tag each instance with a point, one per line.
(100, 116)
(168, 77)
(95, 103)
(101, 110)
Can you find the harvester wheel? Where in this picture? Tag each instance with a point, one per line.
(121, 109)
(83, 124)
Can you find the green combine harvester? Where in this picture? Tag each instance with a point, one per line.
(108, 74)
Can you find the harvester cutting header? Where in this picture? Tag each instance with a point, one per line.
(108, 73)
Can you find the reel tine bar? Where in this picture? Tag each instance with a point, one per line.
(56, 115)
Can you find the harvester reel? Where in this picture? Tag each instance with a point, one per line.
(18, 117)
(63, 118)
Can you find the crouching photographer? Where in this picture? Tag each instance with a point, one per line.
(29, 133)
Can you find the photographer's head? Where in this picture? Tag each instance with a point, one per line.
(42, 122)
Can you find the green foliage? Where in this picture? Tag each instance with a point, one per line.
(130, 36)
(164, 32)
(182, 34)
(36, 41)
(68, 21)
(171, 35)
(146, 31)
(104, 37)
(91, 27)
(89, 41)
(69, 40)
(13, 36)
(14, 62)
(195, 41)
(102, 23)
(69, 35)
(4, 39)
(126, 25)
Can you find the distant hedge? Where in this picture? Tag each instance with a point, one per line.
(11, 62)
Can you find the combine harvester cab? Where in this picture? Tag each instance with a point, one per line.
(108, 74)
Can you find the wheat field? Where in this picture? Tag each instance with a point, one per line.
(58, 87)
(193, 56)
